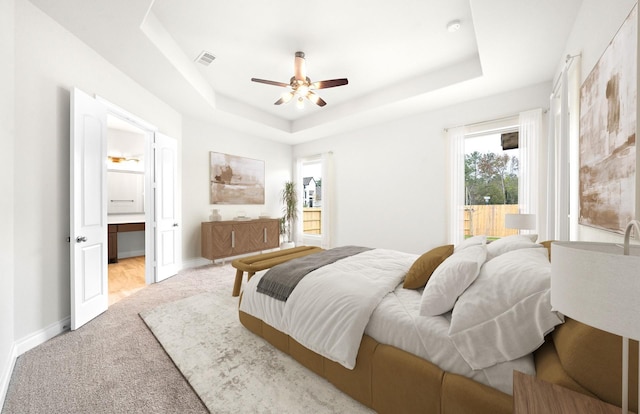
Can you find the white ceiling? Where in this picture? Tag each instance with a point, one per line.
(398, 56)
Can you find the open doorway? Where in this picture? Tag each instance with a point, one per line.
(126, 169)
(89, 222)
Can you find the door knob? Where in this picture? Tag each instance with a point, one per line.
(81, 239)
(175, 224)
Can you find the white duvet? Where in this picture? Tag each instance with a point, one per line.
(331, 308)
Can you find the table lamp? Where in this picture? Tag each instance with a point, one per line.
(598, 284)
(520, 221)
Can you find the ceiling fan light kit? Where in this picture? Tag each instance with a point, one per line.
(117, 160)
(301, 86)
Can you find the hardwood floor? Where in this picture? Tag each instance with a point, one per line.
(125, 278)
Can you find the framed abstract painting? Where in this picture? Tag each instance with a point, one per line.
(235, 180)
(608, 102)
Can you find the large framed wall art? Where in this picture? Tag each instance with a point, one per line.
(235, 180)
(608, 102)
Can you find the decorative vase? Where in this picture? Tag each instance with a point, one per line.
(287, 245)
(215, 215)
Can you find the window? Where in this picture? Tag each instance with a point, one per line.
(312, 201)
(491, 182)
(528, 127)
(320, 193)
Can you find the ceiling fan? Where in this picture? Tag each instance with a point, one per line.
(301, 86)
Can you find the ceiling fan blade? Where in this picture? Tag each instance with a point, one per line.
(268, 82)
(316, 99)
(329, 83)
(300, 67)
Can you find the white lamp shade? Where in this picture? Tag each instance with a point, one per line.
(596, 284)
(520, 221)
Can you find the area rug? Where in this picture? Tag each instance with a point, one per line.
(231, 369)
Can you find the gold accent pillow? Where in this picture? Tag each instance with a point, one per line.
(423, 267)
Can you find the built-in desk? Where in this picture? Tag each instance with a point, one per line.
(114, 229)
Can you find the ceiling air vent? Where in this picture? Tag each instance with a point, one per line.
(205, 58)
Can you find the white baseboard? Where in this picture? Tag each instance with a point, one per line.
(43, 335)
(133, 253)
(201, 261)
(5, 374)
(195, 262)
(25, 344)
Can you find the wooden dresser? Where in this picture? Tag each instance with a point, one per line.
(220, 239)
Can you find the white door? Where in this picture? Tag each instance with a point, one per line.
(88, 233)
(167, 208)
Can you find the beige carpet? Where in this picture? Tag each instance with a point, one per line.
(114, 364)
(233, 370)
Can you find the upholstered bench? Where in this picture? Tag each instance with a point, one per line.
(253, 264)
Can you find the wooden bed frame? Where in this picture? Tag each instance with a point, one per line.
(390, 380)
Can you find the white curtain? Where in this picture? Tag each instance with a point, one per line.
(456, 185)
(563, 126)
(529, 139)
(551, 168)
(562, 164)
(328, 197)
(297, 179)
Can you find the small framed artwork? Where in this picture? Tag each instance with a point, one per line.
(235, 180)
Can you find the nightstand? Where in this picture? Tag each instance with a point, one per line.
(535, 396)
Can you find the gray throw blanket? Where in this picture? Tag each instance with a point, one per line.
(280, 280)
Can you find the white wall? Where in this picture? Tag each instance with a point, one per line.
(51, 61)
(131, 244)
(198, 140)
(391, 178)
(391, 189)
(7, 142)
(594, 28)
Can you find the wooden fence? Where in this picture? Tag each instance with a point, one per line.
(478, 219)
(312, 220)
(488, 219)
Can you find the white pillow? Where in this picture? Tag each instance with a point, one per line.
(471, 241)
(509, 243)
(450, 279)
(506, 312)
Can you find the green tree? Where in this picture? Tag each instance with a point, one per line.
(472, 177)
(493, 175)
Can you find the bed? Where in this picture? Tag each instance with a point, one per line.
(430, 333)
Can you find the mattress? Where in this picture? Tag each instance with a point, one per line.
(396, 322)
